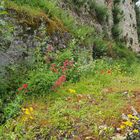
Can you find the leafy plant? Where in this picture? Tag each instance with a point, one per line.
(41, 81)
(116, 32)
(13, 108)
(101, 13)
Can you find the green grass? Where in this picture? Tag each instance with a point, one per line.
(98, 101)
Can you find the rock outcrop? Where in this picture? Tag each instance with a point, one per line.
(127, 25)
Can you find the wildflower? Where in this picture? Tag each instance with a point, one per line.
(19, 89)
(31, 109)
(23, 109)
(24, 118)
(27, 112)
(72, 91)
(109, 71)
(128, 123)
(53, 68)
(60, 81)
(25, 86)
(31, 117)
(65, 63)
(136, 131)
(132, 117)
(136, 118)
(63, 69)
(122, 126)
(53, 65)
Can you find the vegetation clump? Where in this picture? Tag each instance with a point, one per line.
(117, 17)
(55, 93)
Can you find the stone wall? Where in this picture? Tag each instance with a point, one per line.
(128, 25)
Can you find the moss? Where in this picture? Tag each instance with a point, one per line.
(28, 16)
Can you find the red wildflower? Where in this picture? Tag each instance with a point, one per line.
(53, 65)
(102, 72)
(63, 69)
(109, 71)
(53, 68)
(24, 85)
(19, 89)
(60, 81)
(66, 63)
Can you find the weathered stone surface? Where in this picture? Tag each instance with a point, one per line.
(129, 25)
(25, 39)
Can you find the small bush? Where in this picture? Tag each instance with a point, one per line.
(123, 52)
(101, 13)
(117, 14)
(99, 48)
(116, 32)
(41, 81)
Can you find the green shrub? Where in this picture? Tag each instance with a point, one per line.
(101, 13)
(123, 52)
(100, 48)
(41, 81)
(64, 55)
(117, 14)
(100, 10)
(12, 109)
(116, 32)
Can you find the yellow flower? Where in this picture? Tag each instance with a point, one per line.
(31, 117)
(130, 116)
(122, 126)
(27, 112)
(72, 91)
(136, 118)
(135, 131)
(24, 118)
(23, 109)
(128, 123)
(31, 109)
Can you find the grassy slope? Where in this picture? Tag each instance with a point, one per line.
(99, 100)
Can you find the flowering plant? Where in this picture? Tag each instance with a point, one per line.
(131, 125)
